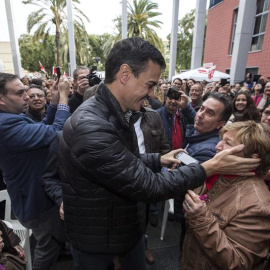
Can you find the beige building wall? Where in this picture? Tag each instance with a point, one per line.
(6, 57)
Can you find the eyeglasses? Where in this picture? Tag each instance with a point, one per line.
(266, 113)
(32, 96)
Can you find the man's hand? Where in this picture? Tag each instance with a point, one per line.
(64, 89)
(83, 84)
(55, 93)
(61, 211)
(169, 158)
(182, 104)
(226, 162)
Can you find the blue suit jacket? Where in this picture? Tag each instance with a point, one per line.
(24, 147)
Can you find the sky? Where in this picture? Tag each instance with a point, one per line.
(100, 12)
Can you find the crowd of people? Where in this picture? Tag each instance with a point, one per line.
(86, 165)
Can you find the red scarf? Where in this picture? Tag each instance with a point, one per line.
(177, 139)
(210, 181)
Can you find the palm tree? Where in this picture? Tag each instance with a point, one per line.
(51, 16)
(108, 44)
(83, 48)
(140, 24)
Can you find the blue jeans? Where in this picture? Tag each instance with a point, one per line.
(132, 260)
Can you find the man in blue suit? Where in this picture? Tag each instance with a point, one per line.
(23, 150)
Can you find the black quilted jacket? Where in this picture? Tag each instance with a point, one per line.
(106, 183)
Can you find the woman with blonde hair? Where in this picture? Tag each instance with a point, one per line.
(228, 219)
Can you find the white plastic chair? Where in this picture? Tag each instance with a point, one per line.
(17, 227)
(168, 208)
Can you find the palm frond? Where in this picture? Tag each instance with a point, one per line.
(35, 18)
(81, 13)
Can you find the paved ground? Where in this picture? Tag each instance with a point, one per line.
(166, 252)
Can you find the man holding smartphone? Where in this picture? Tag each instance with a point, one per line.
(176, 114)
(106, 183)
(24, 147)
(80, 83)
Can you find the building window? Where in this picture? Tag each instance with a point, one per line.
(214, 2)
(235, 15)
(260, 24)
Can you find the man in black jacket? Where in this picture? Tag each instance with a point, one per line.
(80, 84)
(105, 181)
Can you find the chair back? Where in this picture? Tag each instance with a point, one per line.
(17, 227)
(5, 197)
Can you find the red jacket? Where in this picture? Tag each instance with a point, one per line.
(257, 99)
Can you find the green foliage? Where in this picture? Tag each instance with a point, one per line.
(33, 51)
(184, 43)
(83, 49)
(141, 23)
(112, 39)
(51, 18)
(97, 52)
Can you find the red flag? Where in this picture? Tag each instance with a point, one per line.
(54, 73)
(41, 67)
(211, 72)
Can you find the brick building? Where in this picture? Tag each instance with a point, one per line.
(220, 33)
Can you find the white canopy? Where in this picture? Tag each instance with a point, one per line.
(200, 74)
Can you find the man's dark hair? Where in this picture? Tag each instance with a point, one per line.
(227, 112)
(31, 86)
(37, 81)
(134, 52)
(178, 80)
(4, 79)
(75, 72)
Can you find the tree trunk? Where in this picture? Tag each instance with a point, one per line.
(57, 43)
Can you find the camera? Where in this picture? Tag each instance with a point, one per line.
(92, 77)
(173, 94)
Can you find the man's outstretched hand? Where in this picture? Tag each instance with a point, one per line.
(226, 162)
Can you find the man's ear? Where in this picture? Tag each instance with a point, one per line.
(2, 100)
(124, 73)
(221, 124)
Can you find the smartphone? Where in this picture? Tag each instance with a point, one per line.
(58, 72)
(223, 82)
(173, 94)
(186, 159)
